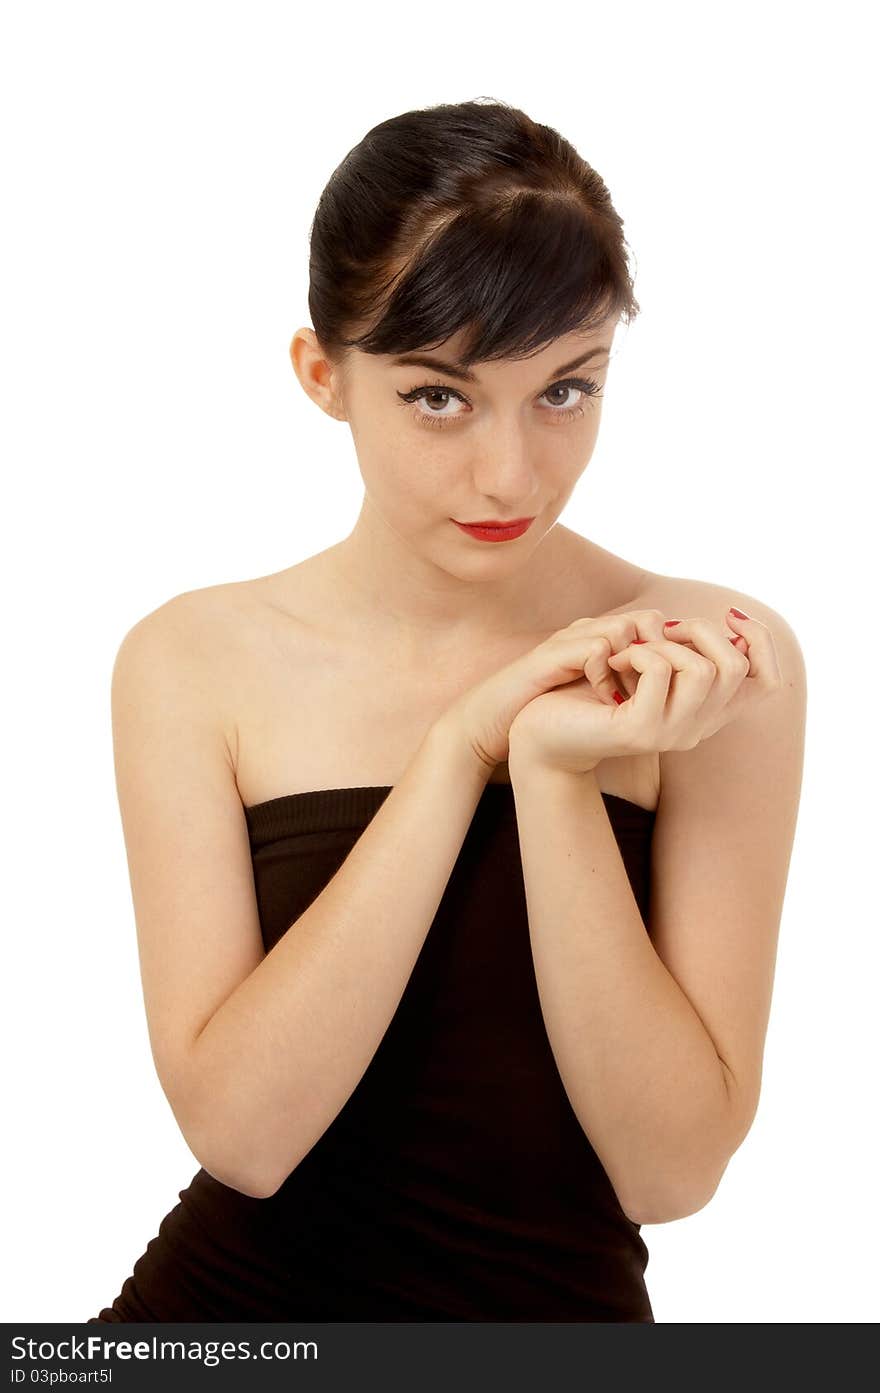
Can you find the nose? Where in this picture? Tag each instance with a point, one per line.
(505, 470)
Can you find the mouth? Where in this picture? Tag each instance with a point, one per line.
(491, 531)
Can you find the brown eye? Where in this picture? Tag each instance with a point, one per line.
(430, 392)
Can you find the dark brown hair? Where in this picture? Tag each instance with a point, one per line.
(465, 216)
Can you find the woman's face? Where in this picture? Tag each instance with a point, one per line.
(509, 442)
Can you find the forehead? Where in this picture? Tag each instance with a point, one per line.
(561, 355)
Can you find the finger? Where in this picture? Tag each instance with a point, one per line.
(731, 668)
(597, 649)
(615, 633)
(706, 639)
(618, 630)
(579, 654)
(647, 623)
(649, 688)
(628, 679)
(606, 684)
(674, 681)
(735, 640)
(671, 626)
(763, 660)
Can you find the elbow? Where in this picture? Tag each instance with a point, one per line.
(233, 1171)
(253, 1186)
(213, 1144)
(227, 1145)
(236, 1169)
(666, 1208)
(663, 1205)
(662, 1212)
(242, 1164)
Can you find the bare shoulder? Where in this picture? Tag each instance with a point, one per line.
(681, 597)
(203, 637)
(231, 647)
(213, 613)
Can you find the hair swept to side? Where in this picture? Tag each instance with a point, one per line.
(465, 216)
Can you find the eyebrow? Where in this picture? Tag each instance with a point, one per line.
(419, 360)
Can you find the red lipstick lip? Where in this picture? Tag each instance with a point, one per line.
(494, 531)
(493, 522)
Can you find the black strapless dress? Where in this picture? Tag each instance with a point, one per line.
(456, 1183)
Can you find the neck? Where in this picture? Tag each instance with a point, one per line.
(384, 578)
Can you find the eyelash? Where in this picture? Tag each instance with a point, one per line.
(587, 385)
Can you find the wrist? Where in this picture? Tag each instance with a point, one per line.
(447, 736)
(525, 756)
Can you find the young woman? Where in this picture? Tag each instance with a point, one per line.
(458, 850)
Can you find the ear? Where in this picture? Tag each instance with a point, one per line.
(319, 378)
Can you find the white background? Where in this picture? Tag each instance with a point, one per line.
(161, 165)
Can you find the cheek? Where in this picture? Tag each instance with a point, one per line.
(570, 470)
(413, 470)
(578, 456)
(407, 484)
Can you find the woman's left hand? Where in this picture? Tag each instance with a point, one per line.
(547, 727)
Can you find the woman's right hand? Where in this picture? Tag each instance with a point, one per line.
(578, 653)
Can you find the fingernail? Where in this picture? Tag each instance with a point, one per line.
(618, 698)
(738, 612)
(640, 640)
(669, 623)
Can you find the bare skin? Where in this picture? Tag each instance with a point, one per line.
(309, 705)
(334, 673)
(318, 709)
(351, 654)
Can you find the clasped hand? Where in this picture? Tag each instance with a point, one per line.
(683, 683)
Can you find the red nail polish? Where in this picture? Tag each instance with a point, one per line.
(669, 623)
(640, 640)
(738, 612)
(618, 698)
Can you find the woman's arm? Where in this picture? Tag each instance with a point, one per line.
(659, 1036)
(640, 1071)
(278, 1060)
(257, 1053)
